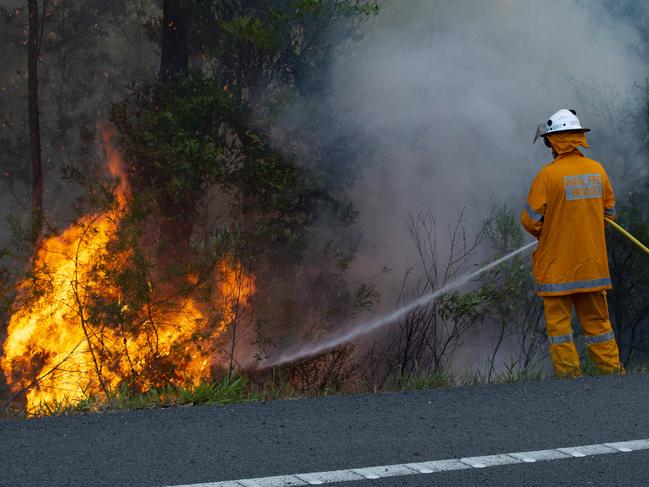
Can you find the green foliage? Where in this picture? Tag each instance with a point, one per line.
(253, 31)
(175, 137)
(258, 43)
(505, 232)
(184, 137)
(273, 28)
(366, 296)
(458, 306)
(512, 308)
(357, 7)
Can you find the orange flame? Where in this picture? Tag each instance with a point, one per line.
(55, 352)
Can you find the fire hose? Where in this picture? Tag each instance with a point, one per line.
(628, 235)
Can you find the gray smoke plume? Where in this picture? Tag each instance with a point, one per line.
(447, 95)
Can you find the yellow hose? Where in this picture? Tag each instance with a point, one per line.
(627, 235)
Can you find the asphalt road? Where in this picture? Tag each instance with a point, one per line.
(209, 444)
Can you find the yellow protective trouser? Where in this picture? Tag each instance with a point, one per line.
(592, 312)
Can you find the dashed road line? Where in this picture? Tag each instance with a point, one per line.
(431, 467)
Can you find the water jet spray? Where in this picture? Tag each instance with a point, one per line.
(366, 327)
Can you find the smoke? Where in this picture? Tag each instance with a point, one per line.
(443, 98)
(446, 96)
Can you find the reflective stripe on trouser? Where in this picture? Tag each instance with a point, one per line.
(593, 316)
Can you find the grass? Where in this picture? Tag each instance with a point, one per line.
(226, 391)
(472, 377)
(239, 390)
(419, 381)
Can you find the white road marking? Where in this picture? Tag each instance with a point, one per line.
(523, 457)
(491, 461)
(385, 471)
(573, 452)
(623, 449)
(365, 472)
(439, 466)
(474, 462)
(418, 468)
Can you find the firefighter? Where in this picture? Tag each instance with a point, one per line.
(565, 211)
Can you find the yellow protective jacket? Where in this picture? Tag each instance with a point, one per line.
(565, 210)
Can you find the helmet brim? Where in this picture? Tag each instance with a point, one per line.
(582, 130)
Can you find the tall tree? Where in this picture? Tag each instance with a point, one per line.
(173, 57)
(33, 51)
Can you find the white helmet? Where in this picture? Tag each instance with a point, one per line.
(562, 121)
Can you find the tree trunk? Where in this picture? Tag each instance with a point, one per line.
(33, 51)
(173, 57)
(176, 222)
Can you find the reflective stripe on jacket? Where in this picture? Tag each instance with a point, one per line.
(565, 210)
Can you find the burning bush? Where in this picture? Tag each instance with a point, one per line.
(90, 317)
